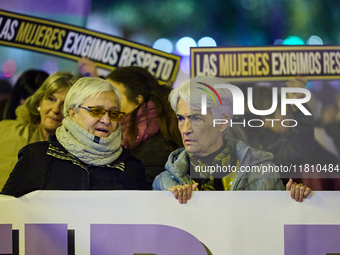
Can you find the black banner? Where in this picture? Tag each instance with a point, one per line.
(73, 42)
(266, 63)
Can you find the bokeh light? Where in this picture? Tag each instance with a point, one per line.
(207, 42)
(278, 42)
(183, 45)
(293, 40)
(163, 44)
(185, 64)
(314, 40)
(9, 67)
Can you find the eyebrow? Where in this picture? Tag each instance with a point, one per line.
(190, 115)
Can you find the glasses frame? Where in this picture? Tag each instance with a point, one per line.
(119, 117)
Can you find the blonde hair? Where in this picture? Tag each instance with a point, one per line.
(55, 82)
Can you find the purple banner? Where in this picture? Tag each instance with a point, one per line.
(48, 239)
(143, 239)
(6, 239)
(311, 239)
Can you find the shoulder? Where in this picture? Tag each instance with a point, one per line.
(152, 143)
(176, 171)
(16, 129)
(41, 147)
(245, 152)
(130, 161)
(178, 159)
(37, 148)
(30, 170)
(133, 170)
(14, 135)
(152, 151)
(178, 155)
(255, 180)
(164, 180)
(15, 124)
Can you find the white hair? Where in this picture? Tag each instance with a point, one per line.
(191, 92)
(84, 88)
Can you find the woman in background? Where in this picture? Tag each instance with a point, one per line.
(38, 118)
(149, 128)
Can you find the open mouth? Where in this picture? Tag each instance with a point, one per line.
(102, 130)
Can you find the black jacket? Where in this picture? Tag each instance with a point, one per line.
(49, 166)
(154, 154)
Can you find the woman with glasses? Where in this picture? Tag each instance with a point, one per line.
(85, 153)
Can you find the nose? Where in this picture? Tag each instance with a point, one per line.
(105, 119)
(58, 108)
(186, 128)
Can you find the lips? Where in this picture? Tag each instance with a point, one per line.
(55, 119)
(102, 130)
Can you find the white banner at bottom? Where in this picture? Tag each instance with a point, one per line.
(151, 222)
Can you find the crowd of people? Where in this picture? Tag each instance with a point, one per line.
(125, 131)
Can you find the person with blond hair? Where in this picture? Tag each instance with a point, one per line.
(38, 118)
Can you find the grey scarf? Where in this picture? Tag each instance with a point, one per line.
(90, 149)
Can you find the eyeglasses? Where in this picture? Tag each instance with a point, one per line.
(99, 112)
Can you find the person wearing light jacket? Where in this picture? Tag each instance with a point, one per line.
(208, 161)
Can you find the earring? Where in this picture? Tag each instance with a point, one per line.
(39, 109)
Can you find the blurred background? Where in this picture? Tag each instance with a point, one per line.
(176, 25)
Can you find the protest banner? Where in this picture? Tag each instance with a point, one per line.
(153, 222)
(270, 63)
(72, 42)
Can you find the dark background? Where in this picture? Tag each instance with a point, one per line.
(228, 22)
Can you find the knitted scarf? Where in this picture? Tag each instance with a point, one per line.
(90, 149)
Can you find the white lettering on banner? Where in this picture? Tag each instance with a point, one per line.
(93, 48)
(73, 42)
(8, 31)
(158, 66)
(100, 220)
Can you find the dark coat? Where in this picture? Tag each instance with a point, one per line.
(154, 155)
(49, 166)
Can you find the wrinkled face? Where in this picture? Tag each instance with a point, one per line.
(125, 105)
(51, 112)
(99, 126)
(199, 135)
